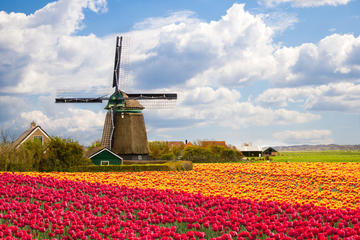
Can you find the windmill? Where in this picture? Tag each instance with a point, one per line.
(124, 131)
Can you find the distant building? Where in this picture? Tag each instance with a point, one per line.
(35, 132)
(269, 151)
(175, 144)
(103, 156)
(249, 150)
(209, 143)
(187, 144)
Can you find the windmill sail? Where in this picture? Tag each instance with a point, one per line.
(117, 63)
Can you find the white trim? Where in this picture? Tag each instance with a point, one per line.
(29, 135)
(94, 154)
(103, 161)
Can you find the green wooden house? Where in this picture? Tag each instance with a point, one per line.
(103, 156)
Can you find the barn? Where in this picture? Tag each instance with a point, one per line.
(249, 150)
(103, 156)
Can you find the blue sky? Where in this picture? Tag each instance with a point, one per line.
(270, 72)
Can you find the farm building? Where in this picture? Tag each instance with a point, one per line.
(270, 151)
(249, 150)
(103, 156)
(208, 143)
(35, 132)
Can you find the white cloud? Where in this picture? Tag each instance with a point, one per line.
(316, 136)
(335, 58)
(234, 50)
(39, 51)
(222, 107)
(279, 21)
(76, 120)
(10, 106)
(80, 124)
(305, 3)
(342, 97)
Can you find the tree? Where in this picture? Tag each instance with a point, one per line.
(211, 153)
(61, 154)
(197, 154)
(6, 137)
(158, 149)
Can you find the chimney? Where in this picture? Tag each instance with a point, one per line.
(32, 125)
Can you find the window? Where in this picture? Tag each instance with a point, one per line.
(139, 157)
(38, 138)
(104, 163)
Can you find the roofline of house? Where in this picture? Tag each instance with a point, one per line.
(37, 127)
(98, 152)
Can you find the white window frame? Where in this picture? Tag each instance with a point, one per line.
(102, 163)
(140, 157)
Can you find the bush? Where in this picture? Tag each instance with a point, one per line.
(62, 154)
(5, 152)
(27, 157)
(197, 154)
(211, 154)
(167, 156)
(158, 149)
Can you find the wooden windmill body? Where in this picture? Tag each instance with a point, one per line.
(124, 131)
(128, 139)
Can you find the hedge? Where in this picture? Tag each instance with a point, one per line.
(168, 166)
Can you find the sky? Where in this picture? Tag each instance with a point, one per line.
(267, 72)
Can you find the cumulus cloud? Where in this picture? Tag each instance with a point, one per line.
(316, 136)
(305, 3)
(333, 59)
(77, 120)
(39, 50)
(10, 107)
(223, 107)
(343, 97)
(183, 49)
(236, 50)
(77, 123)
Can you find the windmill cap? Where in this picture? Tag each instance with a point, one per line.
(122, 101)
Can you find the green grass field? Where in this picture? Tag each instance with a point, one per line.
(320, 156)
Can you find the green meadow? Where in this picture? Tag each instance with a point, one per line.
(318, 156)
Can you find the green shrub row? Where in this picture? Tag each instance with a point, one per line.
(168, 166)
(211, 154)
(57, 155)
(194, 153)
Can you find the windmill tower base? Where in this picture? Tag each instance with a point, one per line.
(130, 139)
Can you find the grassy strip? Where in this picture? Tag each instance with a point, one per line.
(318, 156)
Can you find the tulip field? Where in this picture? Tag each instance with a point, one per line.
(213, 201)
